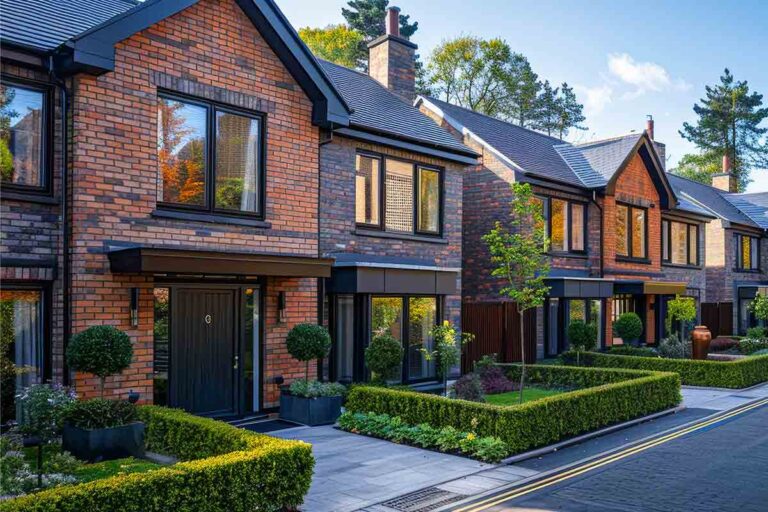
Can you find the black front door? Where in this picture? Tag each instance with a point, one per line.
(203, 350)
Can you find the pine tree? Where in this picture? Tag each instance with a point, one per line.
(523, 89)
(548, 111)
(728, 122)
(570, 111)
(367, 17)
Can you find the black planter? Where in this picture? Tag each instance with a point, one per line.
(104, 443)
(323, 410)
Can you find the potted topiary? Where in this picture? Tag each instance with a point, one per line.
(628, 327)
(304, 401)
(102, 429)
(383, 357)
(582, 337)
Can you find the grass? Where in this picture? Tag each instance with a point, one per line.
(109, 468)
(513, 397)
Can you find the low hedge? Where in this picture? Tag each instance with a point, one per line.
(225, 469)
(721, 374)
(607, 396)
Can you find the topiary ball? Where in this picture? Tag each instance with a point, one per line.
(306, 342)
(628, 326)
(384, 356)
(102, 350)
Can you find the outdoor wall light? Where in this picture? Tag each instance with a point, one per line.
(281, 307)
(134, 307)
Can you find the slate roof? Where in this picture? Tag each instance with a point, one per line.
(754, 206)
(375, 108)
(45, 24)
(708, 198)
(606, 156)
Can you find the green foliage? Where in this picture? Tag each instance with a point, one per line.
(446, 439)
(750, 346)
(558, 110)
(228, 469)
(629, 350)
(757, 333)
(102, 350)
(699, 166)
(628, 327)
(314, 389)
(729, 123)
(306, 342)
(672, 347)
(42, 410)
(468, 387)
(19, 472)
(721, 374)
(100, 413)
(759, 306)
(513, 398)
(447, 347)
(680, 309)
(336, 43)
(582, 336)
(617, 395)
(384, 356)
(110, 468)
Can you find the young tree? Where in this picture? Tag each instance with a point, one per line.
(519, 255)
(367, 18)
(729, 119)
(447, 349)
(336, 43)
(680, 309)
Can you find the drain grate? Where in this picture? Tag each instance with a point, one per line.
(424, 500)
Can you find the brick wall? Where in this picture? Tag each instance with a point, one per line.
(210, 50)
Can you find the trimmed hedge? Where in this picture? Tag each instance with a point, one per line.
(234, 470)
(608, 396)
(721, 374)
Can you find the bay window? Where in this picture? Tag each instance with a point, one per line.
(566, 223)
(747, 252)
(679, 243)
(210, 157)
(631, 231)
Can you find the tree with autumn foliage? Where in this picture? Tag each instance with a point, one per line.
(182, 168)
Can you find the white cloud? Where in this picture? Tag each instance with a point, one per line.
(643, 76)
(595, 98)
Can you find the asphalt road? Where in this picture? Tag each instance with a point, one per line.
(722, 467)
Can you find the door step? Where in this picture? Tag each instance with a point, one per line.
(239, 422)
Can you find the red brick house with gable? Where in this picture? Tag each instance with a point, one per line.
(610, 213)
(185, 210)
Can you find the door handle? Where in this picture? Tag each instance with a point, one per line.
(237, 362)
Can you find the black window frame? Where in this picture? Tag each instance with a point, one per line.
(47, 136)
(630, 242)
(739, 254)
(666, 243)
(209, 208)
(547, 214)
(382, 199)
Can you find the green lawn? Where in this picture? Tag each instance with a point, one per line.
(513, 397)
(106, 469)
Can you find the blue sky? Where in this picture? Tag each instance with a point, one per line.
(625, 59)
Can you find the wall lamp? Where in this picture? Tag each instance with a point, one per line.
(134, 307)
(281, 307)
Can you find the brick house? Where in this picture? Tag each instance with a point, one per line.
(621, 239)
(737, 246)
(185, 210)
(390, 215)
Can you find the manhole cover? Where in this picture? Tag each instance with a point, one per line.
(424, 500)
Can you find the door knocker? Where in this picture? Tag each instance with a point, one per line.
(208, 319)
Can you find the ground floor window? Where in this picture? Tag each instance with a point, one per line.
(344, 354)
(587, 311)
(23, 344)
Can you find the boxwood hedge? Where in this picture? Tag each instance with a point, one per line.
(223, 468)
(602, 397)
(722, 374)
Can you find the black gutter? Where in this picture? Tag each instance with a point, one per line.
(594, 200)
(65, 227)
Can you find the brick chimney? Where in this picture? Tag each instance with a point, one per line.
(392, 59)
(649, 126)
(725, 180)
(661, 148)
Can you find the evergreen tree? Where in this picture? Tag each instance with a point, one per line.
(522, 94)
(570, 111)
(548, 111)
(728, 122)
(367, 17)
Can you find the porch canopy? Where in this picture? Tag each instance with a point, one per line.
(579, 287)
(636, 287)
(357, 273)
(152, 260)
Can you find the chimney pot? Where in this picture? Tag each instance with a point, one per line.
(393, 21)
(649, 126)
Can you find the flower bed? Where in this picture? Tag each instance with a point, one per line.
(722, 374)
(601, 397)
(224, 469)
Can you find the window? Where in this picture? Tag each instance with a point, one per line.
(210, 157)
(23, 345)
(411, 202)
(161, 350)
(631, 231)
(344, 356)
(622, 304)
(747, 249)
(680, 243)
(566, 224)
(24, 135)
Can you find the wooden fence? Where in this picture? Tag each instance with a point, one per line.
(718, 317)
(496, 326)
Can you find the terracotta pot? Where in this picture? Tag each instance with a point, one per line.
(701, 338)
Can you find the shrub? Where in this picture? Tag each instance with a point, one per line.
(722, 344)
(314, 389)
(236, 470)
(618, 395)
(750, 346)
(307, 342)
(384, 356)
(102, 350)
(757, 333)
(495, 381)
(100, 413)
(672, 347)
(628, 327)
(582, 336)
(723, 374)
(447, 348)
(485, 362)
(42, 410)
(629, 350)
(468, 387)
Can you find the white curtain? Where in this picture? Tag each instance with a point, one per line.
(27, 330)
(250, 185)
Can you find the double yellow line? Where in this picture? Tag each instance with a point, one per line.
(609, 459)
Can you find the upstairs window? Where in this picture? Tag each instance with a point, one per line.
(398, 196)
(679, 243)
(747, 249)
(210, 157)
(566, 224)
(631, 232)
(24, 134)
